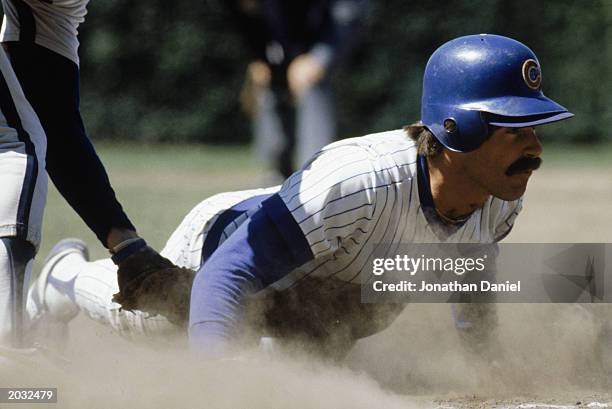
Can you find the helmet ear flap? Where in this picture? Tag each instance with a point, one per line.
(457, 129)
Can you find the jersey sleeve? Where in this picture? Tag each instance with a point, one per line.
(332, 198)
(506, 216)
(50, 24)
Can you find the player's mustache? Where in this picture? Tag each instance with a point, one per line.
(523, 164)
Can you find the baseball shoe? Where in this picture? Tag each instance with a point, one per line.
(49, 308)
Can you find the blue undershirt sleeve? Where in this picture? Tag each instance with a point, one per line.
(262, 250)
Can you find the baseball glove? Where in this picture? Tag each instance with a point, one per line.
(151, 283)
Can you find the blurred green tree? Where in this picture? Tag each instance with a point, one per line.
(172, 71)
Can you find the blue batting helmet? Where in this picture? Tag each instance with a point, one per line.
(479, 80)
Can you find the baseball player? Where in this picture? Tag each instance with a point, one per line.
(289, 260)
(41, 40)
(23, 186)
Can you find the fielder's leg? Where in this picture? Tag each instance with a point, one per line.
(15, 267)
(23, 182)
(273, 129)
(315, 121)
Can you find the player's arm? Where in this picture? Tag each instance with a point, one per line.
(476, 322)
(260, 252)
(307, 219)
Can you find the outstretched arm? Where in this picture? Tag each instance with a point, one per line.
(72, 162)
(263, 250)
(330, 199)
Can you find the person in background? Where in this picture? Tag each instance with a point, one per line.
(294, 48)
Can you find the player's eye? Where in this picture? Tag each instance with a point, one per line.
(526, 131)
(522, 131)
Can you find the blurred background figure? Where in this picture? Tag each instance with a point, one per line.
(287, 92)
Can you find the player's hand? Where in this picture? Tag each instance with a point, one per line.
(258, 77)
(151, 283)
(259, 74)
(304, 72)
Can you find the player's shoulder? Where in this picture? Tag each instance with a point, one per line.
(380, 142)
(59, 3)
(360, 164)
(385, 150)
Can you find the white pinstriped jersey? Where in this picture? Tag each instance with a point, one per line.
(56, 23)
(353, 195)
(359, 193)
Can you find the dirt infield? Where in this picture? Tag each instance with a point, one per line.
(565, 205)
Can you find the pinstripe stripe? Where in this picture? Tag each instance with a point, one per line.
(358, 207)
(413, 147)
(346, 225)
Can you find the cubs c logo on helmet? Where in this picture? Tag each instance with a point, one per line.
(532, 74)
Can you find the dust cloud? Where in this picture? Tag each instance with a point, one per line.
(544, 352)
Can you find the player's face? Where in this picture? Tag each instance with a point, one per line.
(503, 164)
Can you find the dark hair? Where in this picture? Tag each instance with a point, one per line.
(427, 144)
